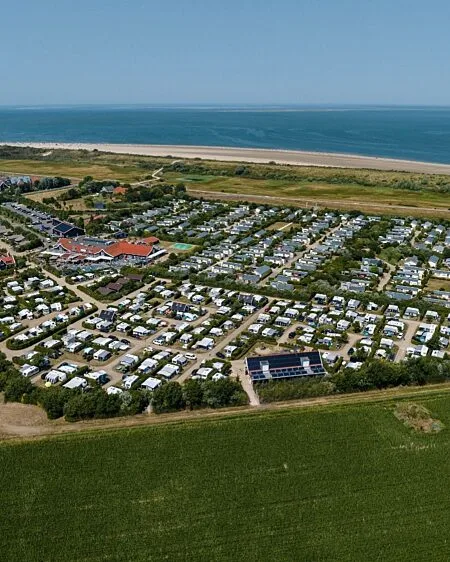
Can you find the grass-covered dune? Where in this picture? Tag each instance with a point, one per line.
(376, 191)
(336, 483)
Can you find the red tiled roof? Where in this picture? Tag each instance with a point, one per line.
(70, 246)
(124, 248)
(8, 260)
(151, 240)
(120, 190)
(120, 248)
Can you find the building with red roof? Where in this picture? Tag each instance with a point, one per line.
(119, 190)
(73, 247)
(124, 248)
(7, 261)
(151, 240)
(97, 249)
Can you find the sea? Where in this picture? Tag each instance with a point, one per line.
(410, 133)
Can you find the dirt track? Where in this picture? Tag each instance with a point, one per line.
(24, 422)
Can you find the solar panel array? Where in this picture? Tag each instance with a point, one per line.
(284, 366)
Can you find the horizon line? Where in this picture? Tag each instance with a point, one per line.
(228, 105)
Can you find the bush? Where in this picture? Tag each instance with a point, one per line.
(3, 381)
(53, 400)
(224, 392)
(274, 391)
(134, 402)
(89, 405)
(193, 394)
(75, 405)
(384, 374)
(168, 398)
(18, 389)
(197, 394)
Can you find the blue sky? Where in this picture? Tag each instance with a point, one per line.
(229, 51)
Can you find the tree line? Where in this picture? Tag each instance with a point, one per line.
(194, 394)
(374, 375)
(74, 405)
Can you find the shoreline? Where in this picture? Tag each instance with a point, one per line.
(254, 155)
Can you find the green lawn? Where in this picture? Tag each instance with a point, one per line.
(336, 483)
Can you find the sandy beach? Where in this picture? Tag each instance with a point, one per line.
(257, 155)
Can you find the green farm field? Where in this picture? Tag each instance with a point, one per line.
(347, 483)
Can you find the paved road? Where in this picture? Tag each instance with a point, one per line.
(137, 346)
(83, 297)
(299, 255)
(405, 342)
(80, 294)
(209, 355)
(352, 339)
(386, 277)
(10, 354)
(88, 298)
(239, 372)
(10, 249)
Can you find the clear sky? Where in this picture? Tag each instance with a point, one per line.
(228, 51)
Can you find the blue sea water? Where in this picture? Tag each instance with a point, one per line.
(406, 133)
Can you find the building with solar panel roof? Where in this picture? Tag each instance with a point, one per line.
(285, 366)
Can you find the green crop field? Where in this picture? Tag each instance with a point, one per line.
(336, 483)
